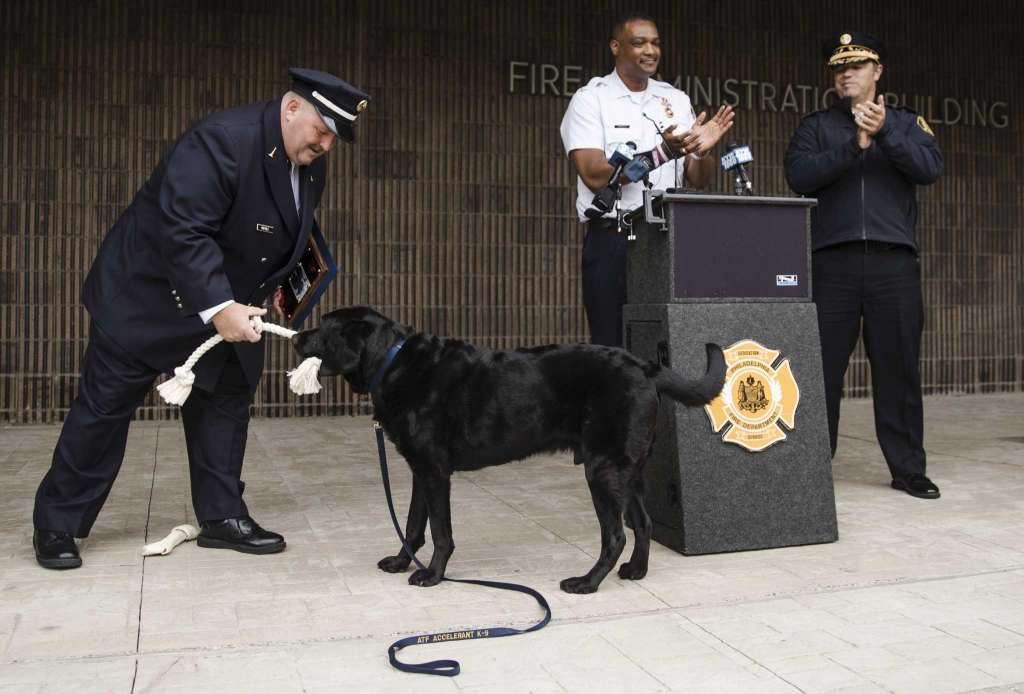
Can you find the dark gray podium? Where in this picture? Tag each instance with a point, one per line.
(752, 470)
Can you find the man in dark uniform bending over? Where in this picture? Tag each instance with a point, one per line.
(207, 240)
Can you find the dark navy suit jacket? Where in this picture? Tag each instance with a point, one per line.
(215, 221)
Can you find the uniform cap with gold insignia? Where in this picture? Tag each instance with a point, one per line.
(337, 101)
(853, 47)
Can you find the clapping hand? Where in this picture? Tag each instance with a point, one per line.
(869, 117)
(705, 134)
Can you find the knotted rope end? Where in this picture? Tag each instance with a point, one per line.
(179, 534)
(175, 390)
(302, 380)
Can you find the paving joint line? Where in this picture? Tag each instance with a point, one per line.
(739, 652)
(142, 578)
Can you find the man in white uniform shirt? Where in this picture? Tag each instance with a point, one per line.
(629, 106)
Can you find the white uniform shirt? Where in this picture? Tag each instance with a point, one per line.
(605, 113)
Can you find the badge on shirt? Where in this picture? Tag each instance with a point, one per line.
(265, 228)
(668, 107)
(923, 124)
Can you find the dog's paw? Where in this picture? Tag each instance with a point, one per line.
(394, 565)
(632, 572)
(578, 585)
(424, 578)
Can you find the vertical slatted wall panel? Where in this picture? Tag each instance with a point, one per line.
(454, 211)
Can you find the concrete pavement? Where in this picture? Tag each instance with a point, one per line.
(917, 596)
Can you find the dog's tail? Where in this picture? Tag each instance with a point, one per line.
(697, 392)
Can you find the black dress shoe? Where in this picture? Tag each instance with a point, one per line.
(917, 485)
(55, 550)
(241, 534)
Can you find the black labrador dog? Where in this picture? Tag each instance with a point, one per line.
(448, 405)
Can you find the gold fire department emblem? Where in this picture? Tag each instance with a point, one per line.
(756, 397)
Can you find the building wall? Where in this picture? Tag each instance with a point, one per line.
(454, 211)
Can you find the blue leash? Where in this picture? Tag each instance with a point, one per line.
(447, 668)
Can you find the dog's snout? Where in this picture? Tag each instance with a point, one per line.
(301, 341)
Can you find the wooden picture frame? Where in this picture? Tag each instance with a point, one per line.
(307, 282)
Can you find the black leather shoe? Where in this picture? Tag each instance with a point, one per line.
(241, 534)
(917, 485)
(55, 550)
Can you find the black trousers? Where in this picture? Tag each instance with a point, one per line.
(877, 286)
(91, 446)
(604, 281)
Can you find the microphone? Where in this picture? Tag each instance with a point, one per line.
(621, 156)
(638, 168)
(675, 160)
(604, 199)
(733, 160)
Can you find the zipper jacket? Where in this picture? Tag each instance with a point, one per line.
(862, 194)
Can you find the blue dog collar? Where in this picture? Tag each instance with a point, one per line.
(388, 358)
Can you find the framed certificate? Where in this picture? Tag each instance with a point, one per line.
(305, 284)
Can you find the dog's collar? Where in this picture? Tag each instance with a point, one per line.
(388, 358)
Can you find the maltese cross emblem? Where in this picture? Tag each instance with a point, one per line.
(756, 399)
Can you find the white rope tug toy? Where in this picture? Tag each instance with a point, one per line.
(301, 380)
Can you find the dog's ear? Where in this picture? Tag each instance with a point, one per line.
(342, 346)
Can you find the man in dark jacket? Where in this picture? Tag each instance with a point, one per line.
(221, 222)
(862, 160)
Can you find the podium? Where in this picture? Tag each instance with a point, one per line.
(752, 470)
